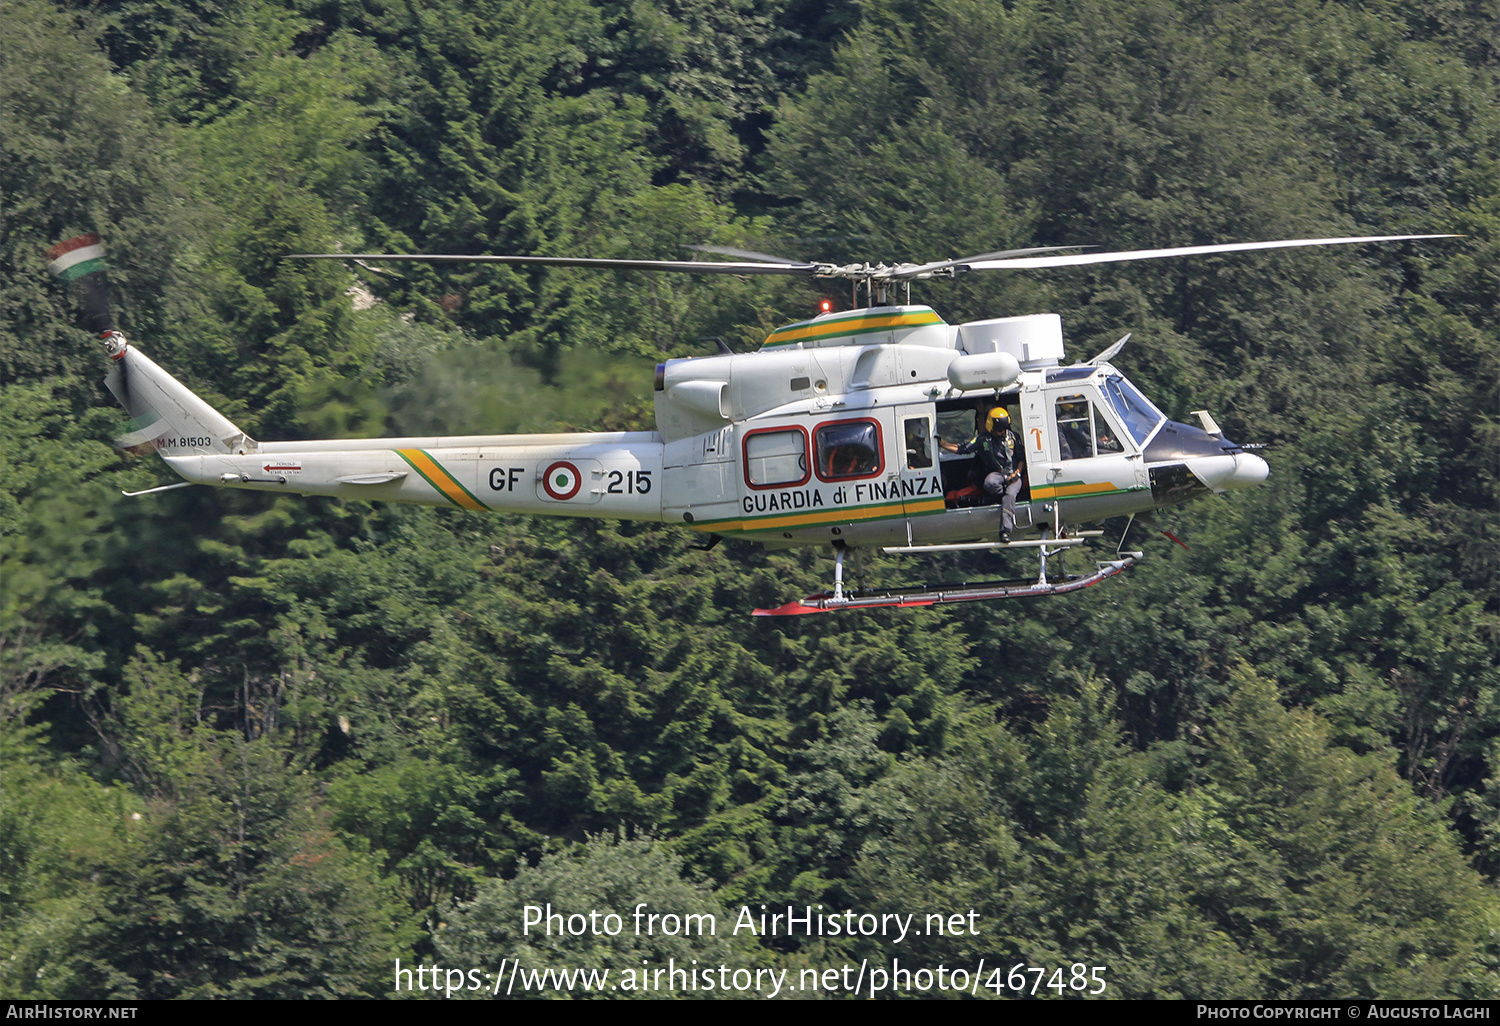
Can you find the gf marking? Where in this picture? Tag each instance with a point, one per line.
(505, 479)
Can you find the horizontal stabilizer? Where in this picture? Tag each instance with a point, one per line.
(372, 479)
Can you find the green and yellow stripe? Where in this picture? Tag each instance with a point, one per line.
(1077, 490)
(433, 473)
(840, 515)
(860, 323)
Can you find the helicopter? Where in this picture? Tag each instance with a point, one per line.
(839, 432)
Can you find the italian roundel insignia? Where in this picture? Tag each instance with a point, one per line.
(562, 481)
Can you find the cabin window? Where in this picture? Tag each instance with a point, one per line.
(848, 449)
(1082, 431)
(776, 457)
(918, 443)
(956, 426)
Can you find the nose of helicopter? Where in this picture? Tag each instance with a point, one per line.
(1249, 471)
(1231, 471)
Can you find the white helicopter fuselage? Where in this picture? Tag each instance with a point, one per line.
(839, 431)
(845, 431)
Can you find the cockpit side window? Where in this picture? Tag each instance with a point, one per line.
(1075, 435)
(1082, 430)
(1105, 441)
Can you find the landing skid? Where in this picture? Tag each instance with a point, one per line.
(938, 594)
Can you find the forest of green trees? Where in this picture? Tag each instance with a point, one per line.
(257, 746)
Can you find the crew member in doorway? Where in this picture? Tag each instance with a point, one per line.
(1000, 457)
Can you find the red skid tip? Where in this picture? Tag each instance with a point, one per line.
(802, 608)
(790, 609)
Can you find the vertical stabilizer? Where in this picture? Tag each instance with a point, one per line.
(169, 418)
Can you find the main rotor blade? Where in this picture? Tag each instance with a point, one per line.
(686, 266)
(969, 261)
(1030, 263)
(766, 264)
(745, 254)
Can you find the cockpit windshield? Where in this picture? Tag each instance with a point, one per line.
(1135, 410)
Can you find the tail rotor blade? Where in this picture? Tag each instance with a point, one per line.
(94, 297)
(80, 262)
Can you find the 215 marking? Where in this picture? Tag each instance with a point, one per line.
(629, 482)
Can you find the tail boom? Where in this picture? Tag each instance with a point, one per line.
(615, 475)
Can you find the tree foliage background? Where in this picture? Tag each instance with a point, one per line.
(259, 746)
